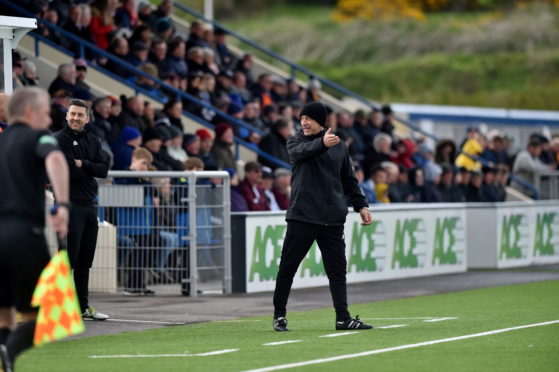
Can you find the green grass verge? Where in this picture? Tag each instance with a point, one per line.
(533, 349)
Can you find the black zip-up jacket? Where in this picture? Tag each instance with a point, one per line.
(84, 146)
(321, 178)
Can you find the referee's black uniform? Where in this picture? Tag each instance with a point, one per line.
(322, 177)
(23, 248)
(83, 227)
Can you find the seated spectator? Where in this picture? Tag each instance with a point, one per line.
(175, 63)
(143, 33)
(116, 109)
(366, 186)
(51, 15)
(527, 165)
(164, 29)
(445, 152)
(462, 181)
(474, 193)
(221, 149)
(547, 156)
(131, 115)
(470, 151)
(224, 57)
(244, 65)
(149, 85)
(100, 125)
(196, 36)
(145, 14)
(313, 90)
(174, 149)
(138, 54)
(431, 170)
(405, 150)
(148, 117)
(157, 56)
(81, 74)
(209, 60)
(282, 187)
(78, 24)
(364, 130)
(488, 187)
(102, 21)
(293, 92)
(269, 116)
(267, 184)
(555, 149)
(195, 60)
(494, 153)
(136, 235)
(191, 144)
(501, 180)
(275, 144)
(29, 77)
(171, 115)
(206, 143)
(224, 87)
(379, 178)
(65, 79)
(393, 173)
(279, 90)
(152, 141)
(239, 92)
(166, 135)
(251, 188)
(126, 16)
(238, 202)
(350, 135)
(119, 48)
(262, 91)
(387, 125)
(164, 10)
(130, 139)
(58, 109)
(251, 115)
(379, 152)
(447, 189)
(423, 192)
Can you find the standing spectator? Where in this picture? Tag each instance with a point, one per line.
(58, 108)
(251, 188)
(221, 149)
(206, 143)
(527, 165)
(86, 162)
(65, 79)
(275, 144)
(81, 75)
(102, 21)
(282, 187)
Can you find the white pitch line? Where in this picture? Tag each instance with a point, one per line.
(281, 342)
(392, 326)
(339, 334)
(439, 319)
(410, 318)
(217, 352)
(236, 321)
(401, 347)
(143, 321)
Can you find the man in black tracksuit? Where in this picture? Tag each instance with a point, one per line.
(322, 175)
(86, 160)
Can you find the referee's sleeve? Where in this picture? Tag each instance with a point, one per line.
(46, 143)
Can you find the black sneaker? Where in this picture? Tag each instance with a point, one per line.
(352, 324)
(280, 324)
(7, 364)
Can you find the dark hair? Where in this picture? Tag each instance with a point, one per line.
(280, 124)
(252, 166)
(170, 103)
(80, 103)
(376, 168)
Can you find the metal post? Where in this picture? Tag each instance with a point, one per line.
(209, 9)
(227, 275)
(8, 78)
(193, 270)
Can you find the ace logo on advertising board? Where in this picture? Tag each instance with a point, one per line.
(514, 237)
(547, 234)
(410, 244)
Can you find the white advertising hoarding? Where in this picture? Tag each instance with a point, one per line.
(401, 242)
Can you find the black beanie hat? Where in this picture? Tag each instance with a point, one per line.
(316, 111)
(149, 134)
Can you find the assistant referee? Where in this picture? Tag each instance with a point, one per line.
(28, 154)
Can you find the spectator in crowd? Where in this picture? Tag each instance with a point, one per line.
(275, 144)
(501, 180)
(102, 21)
(367, 186)
(166, 134)
(431, 170)
(135, 227)
(263, 90)
(282, 187)
(51, 15)
(132, 113)
(294, 92)
(171, 115)
(152, 141)
(313, 90)
(116, 109)
(239, 92)
(387, 125)
(209, 60)
(279, 90)
(176, 65)
(555, 149)
(474, 193)
(119, 48)
(77, 24)
(157, 56)
(81, 75)
(379, 178)
(126, 16)
(363, 129)
(494, 152)
(164, 29)
(65, 79)
(244, 65)
(147, 83)
(269, 116)
(205, 90)
(547, 156)
(206, 143)
(251, 188)
(221, 149)
(447, 189)
(462, 182)
(29, 77)
(148, 117)
(403, 185)
(224, 57)
(174, 148)
(191, 144)
(393, 173)
(196, 36)
(138, 54)
(379, 152)
(58, 108)
(375, 121)
(405, 149)
(445, 152)
(130, 139)
(267, 184)
(100, 125)
(527, 165)
(144, 34)
(238, 202)
(251, 115)
(85, 28)
(350, 135)
(224, 87)
(488, 187)
(422, 191)
(195, 60)
(164, 10)
(470, 151)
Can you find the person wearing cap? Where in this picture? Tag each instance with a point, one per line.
(86, 162)
(167, 134)
(191, 144)
(221, 149)
(206, 143)
(387, 126)
(322, 179)
(174, 148)
(81, 74)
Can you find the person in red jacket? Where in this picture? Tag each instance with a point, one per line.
(251, 189)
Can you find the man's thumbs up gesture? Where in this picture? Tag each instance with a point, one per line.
(330, 139)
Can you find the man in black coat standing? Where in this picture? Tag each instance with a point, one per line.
(86, 160)
(322, 176)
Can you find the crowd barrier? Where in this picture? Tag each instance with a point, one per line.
(404, 241)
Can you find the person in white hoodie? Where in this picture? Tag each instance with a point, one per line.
(174, 148)
(527, 165)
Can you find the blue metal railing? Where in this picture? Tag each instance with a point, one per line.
(83, 45)
(298, 68)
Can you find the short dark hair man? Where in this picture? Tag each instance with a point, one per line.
(322, 175)
(86, 161)
(28, 153)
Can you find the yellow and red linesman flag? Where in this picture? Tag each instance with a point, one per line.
(55, 294)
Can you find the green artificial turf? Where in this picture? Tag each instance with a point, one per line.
(532, 349)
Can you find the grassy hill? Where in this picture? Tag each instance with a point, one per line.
(493, 59)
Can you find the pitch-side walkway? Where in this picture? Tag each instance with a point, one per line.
(139, 313)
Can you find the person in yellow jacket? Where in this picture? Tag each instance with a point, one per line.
(473, 147)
